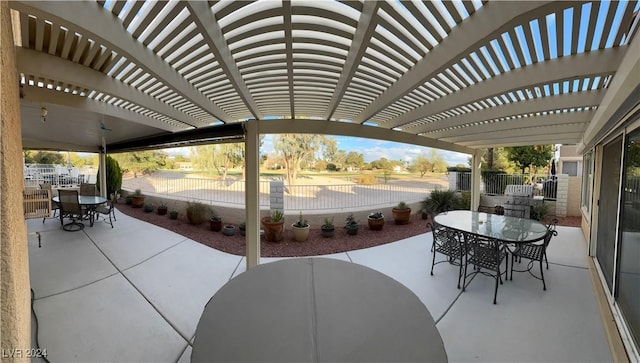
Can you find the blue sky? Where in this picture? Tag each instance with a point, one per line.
(371, 149)
(376, 149)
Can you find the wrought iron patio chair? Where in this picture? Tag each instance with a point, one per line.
(108, 210)
(55, 206)
(70, 208)
(449, 243)
(486, 256)
(535, 251)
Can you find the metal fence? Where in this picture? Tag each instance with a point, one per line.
(57, 175)
(632, 189)
(297, 197)
(495, 184)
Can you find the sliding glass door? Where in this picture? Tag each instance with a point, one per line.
(628, 283)
(608, 209)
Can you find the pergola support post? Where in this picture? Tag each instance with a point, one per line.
(252, 193)
(476, 160)
(102, 167)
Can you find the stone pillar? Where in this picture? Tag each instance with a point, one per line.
(14, 275)
(453, 178)
(562, 195)
(276, 196)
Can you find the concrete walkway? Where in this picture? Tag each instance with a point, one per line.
(135, 293)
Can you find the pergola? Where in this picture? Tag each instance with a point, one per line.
(453, 75)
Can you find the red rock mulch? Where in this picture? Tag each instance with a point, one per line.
(315, 244)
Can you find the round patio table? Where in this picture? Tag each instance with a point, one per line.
(504, 228)
(88, 201)
(316, 309)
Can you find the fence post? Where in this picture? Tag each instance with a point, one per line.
(562, 195)
(276, 196)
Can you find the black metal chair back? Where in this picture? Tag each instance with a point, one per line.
(535, 251)
(450, 243)
(486, 256)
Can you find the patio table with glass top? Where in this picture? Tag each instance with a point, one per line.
(88, 201)
(504, 228)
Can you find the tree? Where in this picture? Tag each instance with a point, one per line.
(381, 164)
(295, 148)
(145, 162)
(218, 157)
(43, 157)
(500, 161)
(530, 156)
(354, 160)
(329, 149)
(438, 162)
(421, 165)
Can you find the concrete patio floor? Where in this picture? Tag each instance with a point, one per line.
(135, 293)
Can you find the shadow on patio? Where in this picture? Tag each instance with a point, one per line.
(136, 293)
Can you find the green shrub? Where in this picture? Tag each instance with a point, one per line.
(440, 201)
(197, 212)
(114, 176)
(539, 211)
(464, 200)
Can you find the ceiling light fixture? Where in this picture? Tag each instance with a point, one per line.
(43, 114)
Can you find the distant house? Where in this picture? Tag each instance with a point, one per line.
(570, 161)
(184, 165)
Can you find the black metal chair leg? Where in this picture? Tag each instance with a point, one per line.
(544, 285)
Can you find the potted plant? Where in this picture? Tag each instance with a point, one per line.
(215, 222)
(242, 227)
(148, 208)
(327, 229)
(196, 212)
(440, 201)
(401, 213)
(137, 199)
(162, 209)
(376, 221)
(499, 210)
(128, 200)
(351, 225)
(273, 226)
(300, 229)
(229, 230)
(173, 214)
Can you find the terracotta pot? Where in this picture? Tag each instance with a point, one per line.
(162, 210)
(401, 216)
(375, 224)
(273, 231)
(137, 201)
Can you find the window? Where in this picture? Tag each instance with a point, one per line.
(570, 168)
(587, 182)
